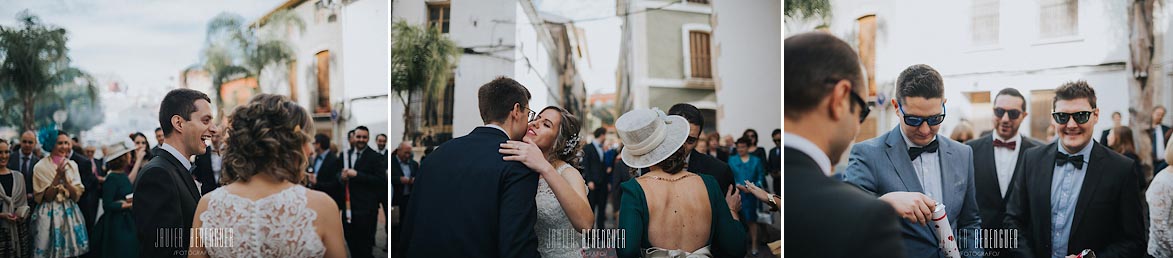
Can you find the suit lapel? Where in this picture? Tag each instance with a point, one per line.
(1046, 170)
(952, 174)
(180, 172)
(1020, 161)
(1091, 180)
(898, 156)
(985, 167)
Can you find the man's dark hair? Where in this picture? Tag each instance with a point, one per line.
(159, 128)
(178, 102)
(350, 133)
(381, 135)
(919, 81)
(1075, 90)
(362, 127)
(599, 132)
(323, 140)
(745, 140)
(496, 98)
(1117, 113)
(1013, 93)
(1159, 107)
(776, 132)
(689, 112)
(814, 63)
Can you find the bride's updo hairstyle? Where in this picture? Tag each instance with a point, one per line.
(266, 136)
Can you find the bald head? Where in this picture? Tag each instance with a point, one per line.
(28, 141)
(404, 151)
(815, 62)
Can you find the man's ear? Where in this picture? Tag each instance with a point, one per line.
(176, 123)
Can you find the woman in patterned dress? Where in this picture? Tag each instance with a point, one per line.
(60, 229)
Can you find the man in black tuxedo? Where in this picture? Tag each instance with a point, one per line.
(471, 202)
(1158, 138)
(165, 191)
(595, 172)
(998, 155)
(823, 110)
(203, 172)
(24, 158)
(381, 142)
(404, 171)
(1073, 195)
(697, 162)
(326, 168)
(365, 178)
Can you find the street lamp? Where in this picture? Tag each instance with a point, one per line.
(60, 117)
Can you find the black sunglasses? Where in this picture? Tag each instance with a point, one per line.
(690, 140)
(863, 114)
(915, 121)
(1014, 113)
(1081, 117)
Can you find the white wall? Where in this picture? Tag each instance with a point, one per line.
(479, 23)
(745, 39)
(365, 37)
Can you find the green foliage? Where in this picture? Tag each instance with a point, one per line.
(421, 62)
(37, 79)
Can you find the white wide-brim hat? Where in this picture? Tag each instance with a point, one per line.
(649, 136)
(117, 149)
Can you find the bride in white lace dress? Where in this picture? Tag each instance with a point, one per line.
(263, 211)
(551, 149)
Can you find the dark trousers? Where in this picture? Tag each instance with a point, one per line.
(401, 208)
(598, 199)
(360, 232)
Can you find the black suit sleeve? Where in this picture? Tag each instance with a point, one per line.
(1018, 209)
(374, 173)
(155, 209)
(518, 213)
(396, 173)
(876, 231)
(328, 175)
(1131, 235)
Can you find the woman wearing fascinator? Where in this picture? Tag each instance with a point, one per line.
(551, 148)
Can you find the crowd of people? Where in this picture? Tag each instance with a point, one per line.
(527, 185)
(260, 185)
(1003, 193)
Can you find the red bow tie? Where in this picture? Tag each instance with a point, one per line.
(1008, 145)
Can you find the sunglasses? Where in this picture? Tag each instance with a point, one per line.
(863, 114)
(915, 121)
(1014, 113)
(1081, 117)
(690, 140)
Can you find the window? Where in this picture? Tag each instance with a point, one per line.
(322, 104)
(1058, 18)
(438, 15)
(984, 17)
(701, 65)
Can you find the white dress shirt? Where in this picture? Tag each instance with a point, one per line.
(1160, 136)
(1005, 161)
(175, 152)
(928, 170)
(810, 149)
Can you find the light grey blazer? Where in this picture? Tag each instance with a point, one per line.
(881, 165)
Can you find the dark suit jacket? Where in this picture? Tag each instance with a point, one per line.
(704, 164)
(371, 183)
(203, 172)
(594, 170)
(1107, 218)
(822, 215)
(165, 200)
(472, 203)
(991, 203)
(1153, 141)
(93, 192)
(1104, 137)
(14, 164)
(330, 179)
(397, 173)
(774, 161)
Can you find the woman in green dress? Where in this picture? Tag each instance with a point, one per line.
(115, 235)
(669, 211)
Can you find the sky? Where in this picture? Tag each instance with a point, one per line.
(144, 43)
(603, 35)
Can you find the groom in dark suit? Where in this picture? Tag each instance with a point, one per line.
(470, 202)
(165, 190)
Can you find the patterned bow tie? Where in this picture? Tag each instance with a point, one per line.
(1001, 144)
(1063, 159)
(915, 152)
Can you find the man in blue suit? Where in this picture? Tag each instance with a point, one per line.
(913, 168)
(467, 201)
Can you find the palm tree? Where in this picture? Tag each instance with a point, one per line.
(421, 62)
(234, 49)
(35, 67)
(806, 8)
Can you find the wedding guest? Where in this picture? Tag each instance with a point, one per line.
(139, 157)
(670, 211)
(963, 132)
(116, 227)
(60, 227)
(1160, 200)
(24, 158)
(1121, 141)
(754, 149)
(267, 150)
(15, 239)
(748, 168)
(365, 176)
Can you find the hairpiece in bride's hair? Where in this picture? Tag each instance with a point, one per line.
(571, 144)
(297, 128)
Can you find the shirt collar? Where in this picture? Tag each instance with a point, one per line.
(175, 152)
(1017, 139)
(909, 142)
(810, 149)
(324, 153)
(498, 127)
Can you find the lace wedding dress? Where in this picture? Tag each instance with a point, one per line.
(278, 225)
(556, 236)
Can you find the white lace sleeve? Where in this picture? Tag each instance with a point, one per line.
(1160, 200)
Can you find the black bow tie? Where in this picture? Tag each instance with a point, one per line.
(915, 152)
(1063, 159)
